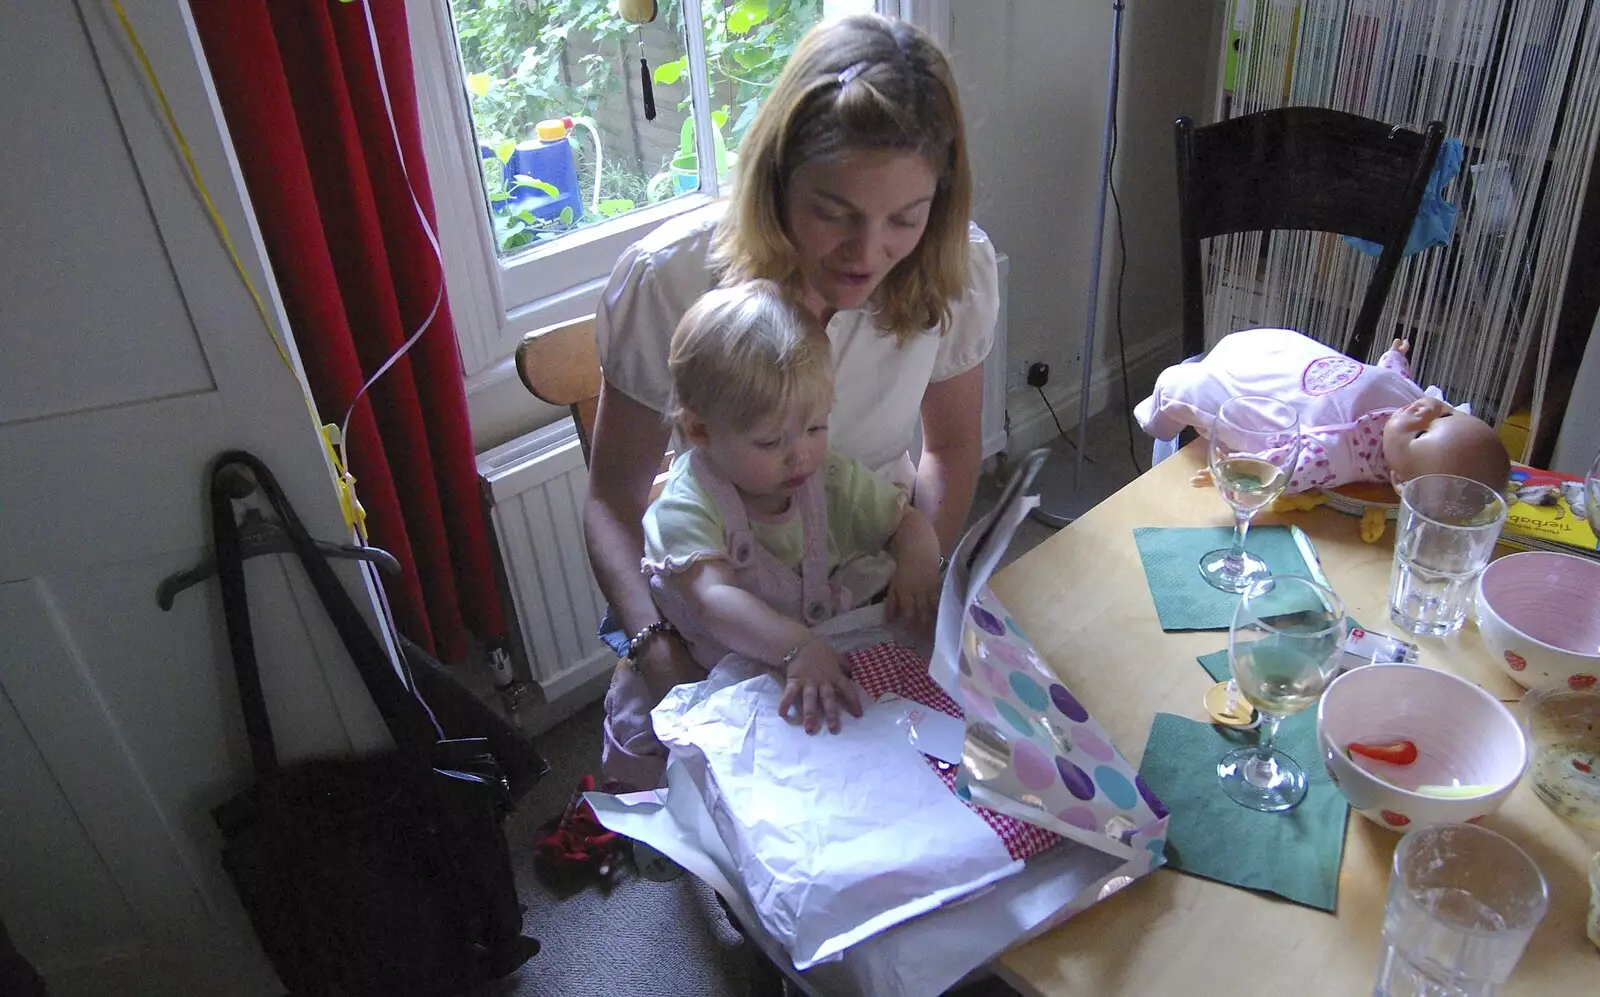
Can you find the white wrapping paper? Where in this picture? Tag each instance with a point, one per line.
(833, 837)
(922, 957)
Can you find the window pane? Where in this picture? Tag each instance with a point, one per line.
(531, 65)
(747, 44)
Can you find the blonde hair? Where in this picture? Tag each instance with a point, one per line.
(744, 353)
(856, 84)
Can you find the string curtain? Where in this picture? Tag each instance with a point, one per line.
(1518, 82)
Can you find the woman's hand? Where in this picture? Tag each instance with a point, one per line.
(817, 684)
(665, 662)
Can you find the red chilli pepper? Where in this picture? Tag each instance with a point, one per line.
(1392, 752)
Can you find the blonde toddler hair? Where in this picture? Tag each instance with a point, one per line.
(744, 353)
(856, 84)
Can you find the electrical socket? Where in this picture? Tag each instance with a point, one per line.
(1038, 374)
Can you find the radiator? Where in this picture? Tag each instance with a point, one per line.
(535, 486)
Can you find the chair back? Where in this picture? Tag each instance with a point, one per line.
(1307, 169)
(560, 365)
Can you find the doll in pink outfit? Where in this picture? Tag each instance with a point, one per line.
(1358, 422)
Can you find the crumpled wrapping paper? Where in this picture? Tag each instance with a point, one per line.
(834, 838)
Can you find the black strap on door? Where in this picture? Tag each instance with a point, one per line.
(405, 716)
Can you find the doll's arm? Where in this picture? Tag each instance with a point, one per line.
(1397, 359)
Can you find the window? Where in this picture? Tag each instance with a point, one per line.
(543, 164)
(566, 134)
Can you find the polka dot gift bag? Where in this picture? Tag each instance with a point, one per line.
(1031, 751)
(1034, 753)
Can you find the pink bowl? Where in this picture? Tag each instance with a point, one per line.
(1464, 737)
(1539, 615)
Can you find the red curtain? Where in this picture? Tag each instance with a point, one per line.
(300, 90)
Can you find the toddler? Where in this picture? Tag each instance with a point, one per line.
(760, 532)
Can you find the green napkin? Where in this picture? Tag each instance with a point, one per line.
(1171, 557)
(1295, 854)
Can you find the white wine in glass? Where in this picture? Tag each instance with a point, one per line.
(1254, 444)
(1249, 483)
(1285, 646)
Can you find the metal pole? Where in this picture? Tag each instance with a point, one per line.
(1059, 510)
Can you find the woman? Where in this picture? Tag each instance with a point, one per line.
(853, 191)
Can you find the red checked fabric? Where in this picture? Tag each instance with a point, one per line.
(894, 668)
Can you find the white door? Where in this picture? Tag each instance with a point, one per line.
(131, 357)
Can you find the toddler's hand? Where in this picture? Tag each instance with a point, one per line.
(1201, 478)
(817, 685)
(913, 597)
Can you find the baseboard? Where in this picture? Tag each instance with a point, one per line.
(1031, 423)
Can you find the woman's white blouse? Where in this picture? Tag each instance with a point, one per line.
(878, 382)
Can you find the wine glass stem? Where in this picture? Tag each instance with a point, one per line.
(1234, 565)
(1261, 771)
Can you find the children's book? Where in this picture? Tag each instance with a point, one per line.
(1548, 511)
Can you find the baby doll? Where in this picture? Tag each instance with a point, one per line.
(1358, 422)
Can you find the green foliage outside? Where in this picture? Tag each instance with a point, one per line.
(516, 76)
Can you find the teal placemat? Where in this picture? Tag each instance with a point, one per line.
(1295, 854)
(1171, 558)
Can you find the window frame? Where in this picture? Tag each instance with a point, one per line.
(495, 302)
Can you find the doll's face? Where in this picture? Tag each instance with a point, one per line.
(1429, 437)
(1412, 423)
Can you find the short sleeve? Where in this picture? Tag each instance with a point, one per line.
(864, 509)
(651, 287)
(970, 336)
(683, 525)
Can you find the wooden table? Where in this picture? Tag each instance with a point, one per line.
(1083, 599)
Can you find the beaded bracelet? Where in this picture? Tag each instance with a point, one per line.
(636, 642)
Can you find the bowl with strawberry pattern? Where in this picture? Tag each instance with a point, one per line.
(1410, 746)
(1539, 615)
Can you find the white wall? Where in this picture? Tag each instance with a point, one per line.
(1033, 78)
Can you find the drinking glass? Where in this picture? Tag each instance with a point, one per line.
(1593, 927)
(1447, 530)
(1462, 903)
(1591, 498)
(1285, 646)
(1254, 443)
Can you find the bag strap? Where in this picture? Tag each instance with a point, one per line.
(406, 718)
(241, 639)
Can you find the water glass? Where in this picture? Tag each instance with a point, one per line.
(1593, 927)
(1591, 497)
(1447, 530)
(1463, 902)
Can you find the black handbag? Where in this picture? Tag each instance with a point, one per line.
(384, 875)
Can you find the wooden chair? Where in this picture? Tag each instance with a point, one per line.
(560, 365)
(1300, 168)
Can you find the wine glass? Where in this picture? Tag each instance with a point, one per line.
(1255, 441)
(1285, 646)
